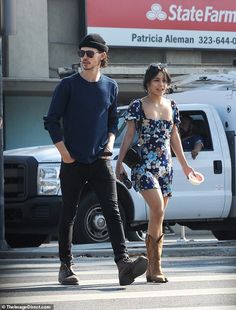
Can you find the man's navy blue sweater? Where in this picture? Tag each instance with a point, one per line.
(82, 114)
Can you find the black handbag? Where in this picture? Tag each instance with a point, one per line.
(133, 155)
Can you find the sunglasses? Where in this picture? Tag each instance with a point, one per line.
(89, 53)
(157, 66)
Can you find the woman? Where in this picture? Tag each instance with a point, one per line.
(152, 177)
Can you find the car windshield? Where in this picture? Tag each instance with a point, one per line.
(121, 127)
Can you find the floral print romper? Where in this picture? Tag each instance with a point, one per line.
(155, 169)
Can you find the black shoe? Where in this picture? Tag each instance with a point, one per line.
(129, 270)
(67, 276)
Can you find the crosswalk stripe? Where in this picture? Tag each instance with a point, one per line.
(109, 271)
(118, 295)
(191, 308)
(80, 262)
(201, 278)
(48, 262)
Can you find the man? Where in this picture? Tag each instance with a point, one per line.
(191, 142)
(86, 104)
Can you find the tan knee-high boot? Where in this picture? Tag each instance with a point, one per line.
(154, 251)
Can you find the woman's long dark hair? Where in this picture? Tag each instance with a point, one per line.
(151, 73)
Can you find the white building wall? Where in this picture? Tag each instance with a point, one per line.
(28, 49)
(183, 57)
(63, 34)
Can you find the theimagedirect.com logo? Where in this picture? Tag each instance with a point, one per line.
(178, 13)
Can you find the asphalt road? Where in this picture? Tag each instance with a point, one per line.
(201, 272)
(195, 283)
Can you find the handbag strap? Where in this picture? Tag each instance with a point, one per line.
(140, 122)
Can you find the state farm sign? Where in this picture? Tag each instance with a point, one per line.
(165, 23)
(178, 13)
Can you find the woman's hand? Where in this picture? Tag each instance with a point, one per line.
(188, 169)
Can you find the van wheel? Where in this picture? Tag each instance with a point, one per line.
(138, 235)
(90, 224)
(25, 240)
(224, 235)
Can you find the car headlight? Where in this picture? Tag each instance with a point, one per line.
(48, 179)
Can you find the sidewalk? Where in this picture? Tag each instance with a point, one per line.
(174, 246)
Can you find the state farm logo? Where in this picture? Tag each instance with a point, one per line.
(156, 13)
(178, 13)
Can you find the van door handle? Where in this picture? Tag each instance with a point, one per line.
(217, 164)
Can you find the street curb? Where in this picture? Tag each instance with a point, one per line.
(170, 249)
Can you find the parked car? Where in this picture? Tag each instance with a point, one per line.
(32, 187)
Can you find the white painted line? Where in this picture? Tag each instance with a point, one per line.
(192, 308)
(109, 271)
(114, 281)
(80, 296)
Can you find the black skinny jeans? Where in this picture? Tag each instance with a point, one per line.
(101, 178)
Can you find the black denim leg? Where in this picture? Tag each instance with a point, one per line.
(103, 181)
(73, 177)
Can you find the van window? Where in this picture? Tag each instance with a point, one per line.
(199, 127)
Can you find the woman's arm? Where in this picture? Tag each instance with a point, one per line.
(176, 146)
(127, 140)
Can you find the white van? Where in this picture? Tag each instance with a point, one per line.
(32, 187)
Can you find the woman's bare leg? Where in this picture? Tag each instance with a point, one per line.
(154, 240)
(156, 204)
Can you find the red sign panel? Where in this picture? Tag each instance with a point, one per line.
(179, 17)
